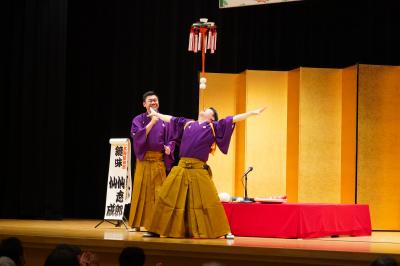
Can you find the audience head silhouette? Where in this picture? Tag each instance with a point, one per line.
(64, 255)
(12, 248)
(132, 256)
(384, 261)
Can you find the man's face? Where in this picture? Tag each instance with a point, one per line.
(151, 101)
(207, 114)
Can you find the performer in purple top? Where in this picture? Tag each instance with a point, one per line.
(154, 148)
(188, 204)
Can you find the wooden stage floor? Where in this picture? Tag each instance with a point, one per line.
(39, 237)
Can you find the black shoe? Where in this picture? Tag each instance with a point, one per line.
(150, 234)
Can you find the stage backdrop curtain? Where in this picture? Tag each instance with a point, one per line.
(33, 108)
(73, 73)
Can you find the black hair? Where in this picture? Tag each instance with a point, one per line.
(12, 247)
(384, 261)
(147, 94)
(62, 257)
(215, 113)
(132, 256)
(72, 248)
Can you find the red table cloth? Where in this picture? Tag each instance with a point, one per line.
(291, 220)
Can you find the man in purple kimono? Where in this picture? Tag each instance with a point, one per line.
(188, 204)
(154, 150)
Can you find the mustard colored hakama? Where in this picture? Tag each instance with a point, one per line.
(188, 204)
(149, 176)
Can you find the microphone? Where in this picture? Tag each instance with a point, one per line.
(248, 170)
(247, 199)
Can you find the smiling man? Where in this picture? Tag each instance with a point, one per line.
(154, 152)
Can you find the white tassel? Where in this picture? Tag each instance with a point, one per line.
(190, 48)
(209, 40)
(215, 40)
(212, 43)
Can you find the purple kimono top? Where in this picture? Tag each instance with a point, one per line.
(159, 135)
(197, 138)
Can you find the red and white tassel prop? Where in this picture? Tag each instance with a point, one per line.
(203, 37)
(196, 36)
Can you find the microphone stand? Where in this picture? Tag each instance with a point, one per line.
(246, 199)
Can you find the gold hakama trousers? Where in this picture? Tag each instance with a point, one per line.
(149, 176)
(188, 204)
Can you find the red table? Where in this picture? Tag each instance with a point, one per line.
(298, 220)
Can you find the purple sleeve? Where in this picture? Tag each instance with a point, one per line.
(138, 134)
(223, 133)
(171, 143)
(174, 131)
(177, 125)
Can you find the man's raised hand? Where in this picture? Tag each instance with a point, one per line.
(167, 150)
(259, 111)
(153, 112)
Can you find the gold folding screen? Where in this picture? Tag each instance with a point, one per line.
(265, 140)
(378, 170)
(305, 143)
(319, 135)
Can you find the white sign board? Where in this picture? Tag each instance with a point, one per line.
(119, 184)
(236, 3)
